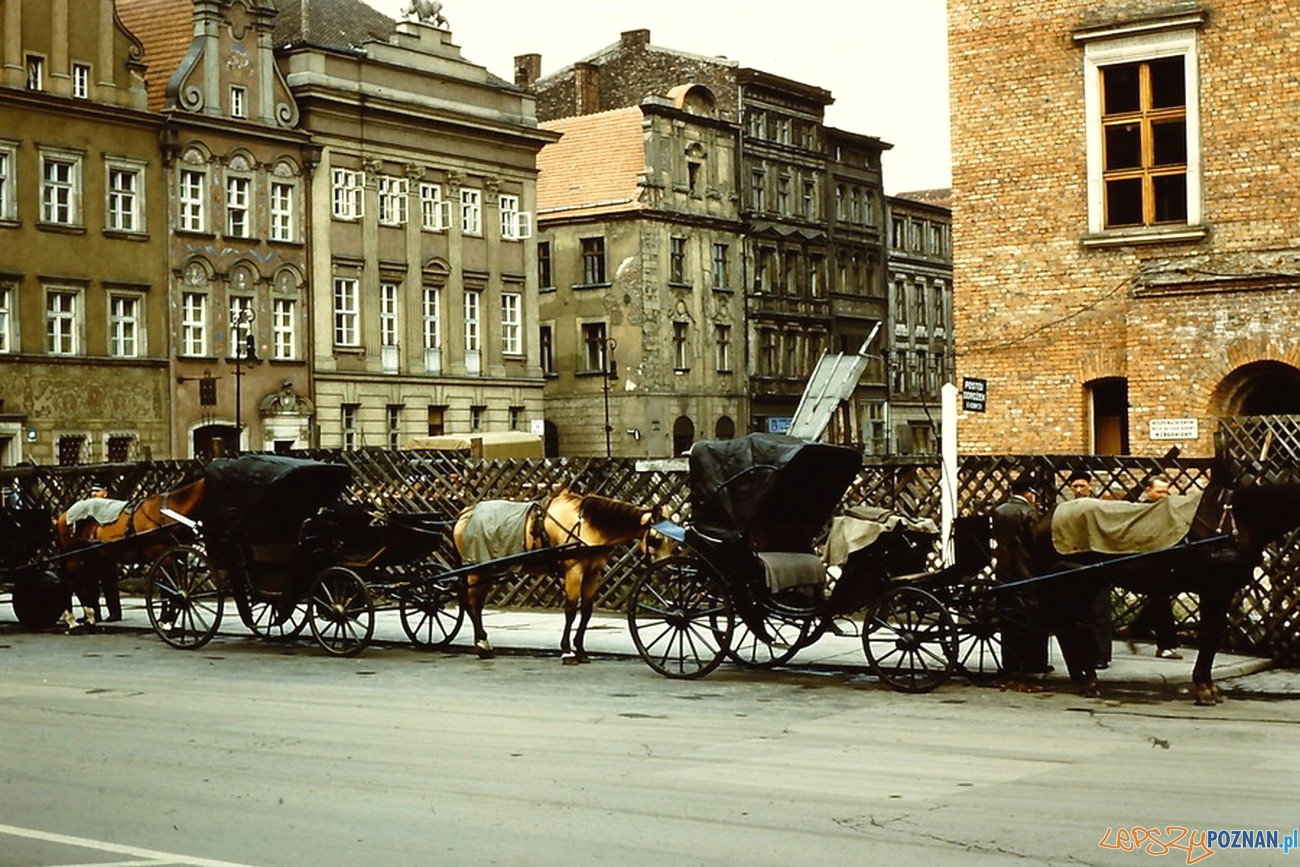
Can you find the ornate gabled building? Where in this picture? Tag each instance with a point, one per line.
(423, 270)
(639, 249)
(83, 233)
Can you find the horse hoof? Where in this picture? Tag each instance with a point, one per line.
(484, 650)
(1089, 689)
(569, 659)
(1208, 695)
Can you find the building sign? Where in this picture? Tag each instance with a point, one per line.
(973, 393)
(537, 427)
(778, 425)
(1174, 429)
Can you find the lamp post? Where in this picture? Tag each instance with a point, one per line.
(609, 371)
(240, 320)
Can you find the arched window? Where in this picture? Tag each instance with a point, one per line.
(724, 429)
(683, 435)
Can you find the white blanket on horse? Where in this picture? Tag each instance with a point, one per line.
(863, 525)
(1110, 527)
(101, 510)
(495, 529)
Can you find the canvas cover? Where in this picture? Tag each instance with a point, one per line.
(1117, 527)
(101, 510)
(778, 490)
(863, 525)
(495, 529)
(785, 570)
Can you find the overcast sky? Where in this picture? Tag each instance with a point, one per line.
(885, 61)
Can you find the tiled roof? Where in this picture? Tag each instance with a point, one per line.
(166, 29)
(594, 168)
(331, 23)
(941, 197)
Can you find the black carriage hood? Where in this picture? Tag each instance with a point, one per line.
(265, 498)
(778, 489)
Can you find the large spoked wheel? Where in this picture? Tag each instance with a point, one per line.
(183, 598)
(431, 613)
(341, 613)
(910, 640)
(789, 634)
(277, 620)
(38, 599)
(980, 617)
(681, 618)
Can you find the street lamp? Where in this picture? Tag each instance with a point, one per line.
(245, 349)
(608, 373)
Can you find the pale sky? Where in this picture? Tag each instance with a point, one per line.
(885, 61)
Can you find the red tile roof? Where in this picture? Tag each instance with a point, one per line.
(166, 28)
(595, 167)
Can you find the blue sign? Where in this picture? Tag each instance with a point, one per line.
(778, 425)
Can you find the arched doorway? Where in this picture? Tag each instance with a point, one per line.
(1259, 388)
(725, 429)
(215, 441)
(550, 439)
(683, 434)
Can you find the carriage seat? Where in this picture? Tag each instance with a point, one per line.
(786, 570)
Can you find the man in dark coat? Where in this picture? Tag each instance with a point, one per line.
(1024, 643)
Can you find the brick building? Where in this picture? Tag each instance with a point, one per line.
(1126, 235)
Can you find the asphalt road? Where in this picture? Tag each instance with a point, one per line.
(119, 750)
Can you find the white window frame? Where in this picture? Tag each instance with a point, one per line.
(124, 208)
(681, 346)
(431, 321)
(195, 307)
(348, 186)
(284, 328)
(238, 101)
(238, 304)
(192, 193)
(61, 196)
(8, 180)
(239, 206)
(394, 200)
(126, 333)
(283, 200)
(722, 344)
(509, 208)
(63, 325)
(388, 294)
(1099, 51)
(471, 211)
(473, 321)
(81, 81)
(34, 65)
(348, 413)
(8, 333)
(512, 323)
(347, 312)
(435, 212)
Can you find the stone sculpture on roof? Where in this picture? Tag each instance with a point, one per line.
(428, 11)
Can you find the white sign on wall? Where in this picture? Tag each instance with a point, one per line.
(1174, 429)
(537, 427)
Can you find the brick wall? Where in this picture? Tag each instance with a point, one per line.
(1037, 313)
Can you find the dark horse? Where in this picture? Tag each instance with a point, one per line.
(127, 539)
(567, 518)
(1237, 524)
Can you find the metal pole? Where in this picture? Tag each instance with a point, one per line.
(948, 471)
(240, 319)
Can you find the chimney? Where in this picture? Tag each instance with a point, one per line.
(634, 39)
(586, 87)
(528, 68)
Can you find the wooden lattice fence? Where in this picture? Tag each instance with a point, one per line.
(443, 483)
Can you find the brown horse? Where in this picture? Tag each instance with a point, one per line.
(131, 541)
(591, 521)
(1236, 525)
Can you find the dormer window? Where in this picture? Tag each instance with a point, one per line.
(238, 102)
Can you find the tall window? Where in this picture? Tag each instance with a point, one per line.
(471, 211)
(194, 323)
(242, 339)
(722, 345)
(816, 276)
(783, 195)
(6, 319)
(393, 200)
(473, 336)
(476, 415)
(433, 217)
(347, 313)
(238, 101)
(124, 326)
(758, 191)
(388, 314)
(429, 323)
(8, 184)
(193, 187)
(512, 323)
(348, 194)
(60, 189)
(509, 207)
(61, 323)
(593, 261)
(719, 266)
(1143, 130)
(124, 199)
(767, 360)
(810, 199)
(284, 328)
(80, 81)
(677, 260)
(349, 413)
(393, 425)
(237, 221)
(544, 278)
(35, 72)
(546, 349)
(436, 420)
(282, 228)
(593, 344)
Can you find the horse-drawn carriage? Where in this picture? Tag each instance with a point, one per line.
(748, 584)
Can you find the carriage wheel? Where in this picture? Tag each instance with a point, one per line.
(431, 613)
(273, 621)
(910, 640)
(680, 617)
(789, 634)
(183, 598)
(979, 617)
(341, 613)
(38, 600)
